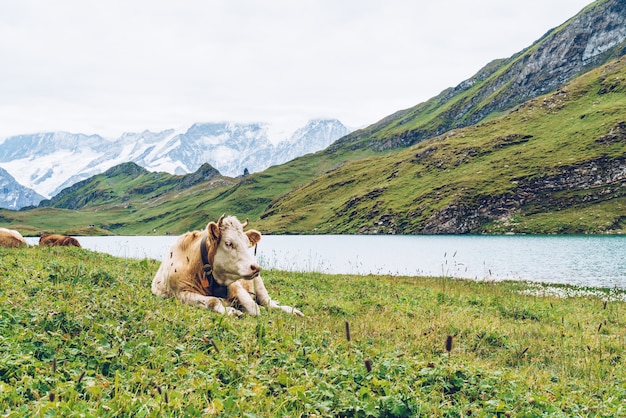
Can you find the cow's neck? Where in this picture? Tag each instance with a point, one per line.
(208, 281)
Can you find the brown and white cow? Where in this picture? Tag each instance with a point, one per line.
(11, 238)
(214, 269)
(58, 240)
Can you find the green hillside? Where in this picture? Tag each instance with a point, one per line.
(554, 164)
(126, 199)
(129, 183)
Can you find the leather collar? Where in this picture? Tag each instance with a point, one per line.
(208, 280)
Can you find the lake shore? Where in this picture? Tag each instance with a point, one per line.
(582, 260)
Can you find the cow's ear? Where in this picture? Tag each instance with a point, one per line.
(213, 231)
(254, 236)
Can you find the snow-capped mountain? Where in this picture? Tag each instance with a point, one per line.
(47, 162)
(15, 196)
(50, 162)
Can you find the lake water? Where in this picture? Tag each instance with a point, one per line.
(579, 260)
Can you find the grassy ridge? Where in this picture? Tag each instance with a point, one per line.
(82, 334)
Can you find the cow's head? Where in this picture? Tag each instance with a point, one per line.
(229, 250)
(71, 242)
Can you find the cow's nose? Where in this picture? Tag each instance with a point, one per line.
(255, 268)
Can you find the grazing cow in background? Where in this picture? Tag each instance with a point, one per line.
(215, 270)
(11, 238)
(50, 240)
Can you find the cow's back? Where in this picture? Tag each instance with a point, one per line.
(47, 239)
(11, 238)
(60, 240)
(174, 274)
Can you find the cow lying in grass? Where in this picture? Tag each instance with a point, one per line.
(11, 238)
(58, 240)
(215, 270)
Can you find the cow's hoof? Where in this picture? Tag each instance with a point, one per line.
(232, 311)
(291, 310)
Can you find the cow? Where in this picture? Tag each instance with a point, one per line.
(49, 240)
(214, 269)
(11, 238)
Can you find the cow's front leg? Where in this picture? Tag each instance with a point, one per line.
(263, 298)
(209, 302)
(240, 295)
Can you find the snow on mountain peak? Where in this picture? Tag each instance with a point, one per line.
(49, 162)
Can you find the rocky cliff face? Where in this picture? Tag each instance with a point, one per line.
(593, 181)
(555, 164)
(588, 40)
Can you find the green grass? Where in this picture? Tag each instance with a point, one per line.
(83, 336)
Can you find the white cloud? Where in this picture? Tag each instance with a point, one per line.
(114, 66)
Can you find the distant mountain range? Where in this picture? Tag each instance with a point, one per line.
(49, 162)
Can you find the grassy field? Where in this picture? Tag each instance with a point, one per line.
(81, 335)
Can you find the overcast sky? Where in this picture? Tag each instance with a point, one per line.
(114, 66)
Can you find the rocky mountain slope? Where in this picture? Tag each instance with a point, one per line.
(593, 37)
(50, 162)
(15, 196)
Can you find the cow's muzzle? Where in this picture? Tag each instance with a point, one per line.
(255, 270)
